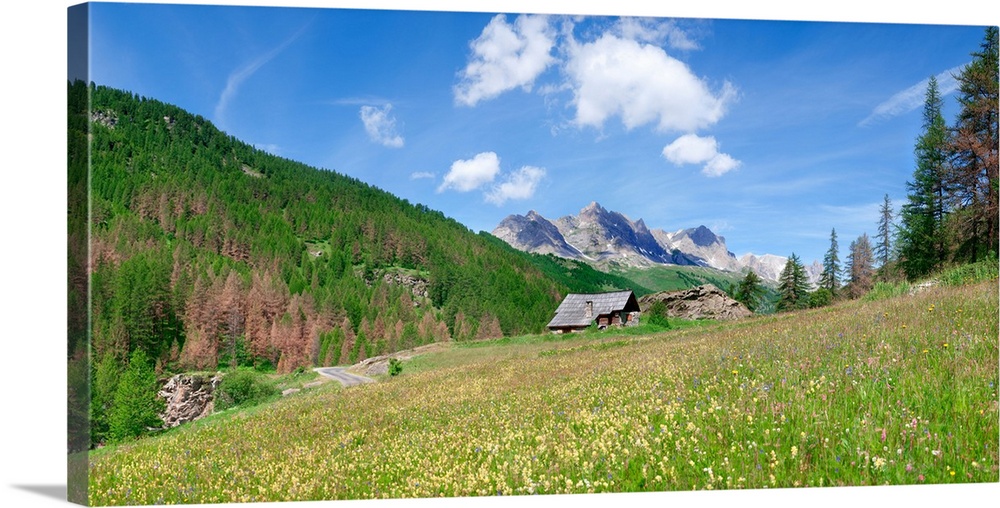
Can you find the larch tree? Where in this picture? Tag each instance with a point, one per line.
(860, 265)
(973, 161)
(136, 405)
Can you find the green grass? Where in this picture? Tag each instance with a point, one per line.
(673, 278)
(896, 391)
(971, 273)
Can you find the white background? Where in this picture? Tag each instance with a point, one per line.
(33, 245)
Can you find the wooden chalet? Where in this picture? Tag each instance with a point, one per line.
(579, 311)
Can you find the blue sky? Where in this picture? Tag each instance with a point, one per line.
(769, 132)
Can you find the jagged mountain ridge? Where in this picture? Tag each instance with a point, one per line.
(609, 239)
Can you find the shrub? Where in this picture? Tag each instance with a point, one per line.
(656, 314)
(243, 388)
(395, 367)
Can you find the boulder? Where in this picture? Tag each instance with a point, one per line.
(188, 397)
(702, 302)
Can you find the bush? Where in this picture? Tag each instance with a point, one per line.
(243, 388)
(820, 298)
(395, 367)
(656, 315)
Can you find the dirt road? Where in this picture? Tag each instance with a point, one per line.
(345, 378)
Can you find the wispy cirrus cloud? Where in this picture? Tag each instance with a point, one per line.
(422, 175)
(380, 125)
(913, 97)
(241, 74)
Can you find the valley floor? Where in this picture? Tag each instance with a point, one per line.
(900, 391)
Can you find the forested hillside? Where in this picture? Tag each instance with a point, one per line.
(207, 252)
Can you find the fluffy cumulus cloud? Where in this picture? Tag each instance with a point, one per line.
(519, 185)
(694, 149)
(506, 56)
(380, 125)
(471, 174)
(655, 31)
(640, 83)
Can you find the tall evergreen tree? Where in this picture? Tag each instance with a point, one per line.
(973, 146)
(136, 405)
(750, 291)
(921, 236)
(883, 246)
(830, 278)
(860, 262)
(793, 285)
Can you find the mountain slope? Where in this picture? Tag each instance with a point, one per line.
(207, 251)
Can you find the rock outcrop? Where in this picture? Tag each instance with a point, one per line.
(702, 302)
(189, 397)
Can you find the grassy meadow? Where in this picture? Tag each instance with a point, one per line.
(896, 391)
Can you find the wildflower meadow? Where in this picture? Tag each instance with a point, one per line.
(897, 391)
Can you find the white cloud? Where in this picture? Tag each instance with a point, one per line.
(655, 31)
(381, 125)
(471, 174)
(720, 165)
(519, 185)
(694, 149)
(505, 57)
(237, 77)
(421, 175)
(642, 84)
(913, 97)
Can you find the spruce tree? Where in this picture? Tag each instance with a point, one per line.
(749, 291)
(793, 285)
(830, 278)
(921, 240)
(883, 248)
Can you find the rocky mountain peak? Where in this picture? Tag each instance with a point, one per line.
(608, 239)
(702, 236)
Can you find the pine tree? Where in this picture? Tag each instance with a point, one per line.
(793, 285)
(921, 241)
(883, 248)
(973, 146)
(830, 278)
(136, 405)
(749, 291)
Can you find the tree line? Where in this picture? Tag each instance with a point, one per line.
(950, 215)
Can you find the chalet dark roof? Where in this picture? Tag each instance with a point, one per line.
(572, 312)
